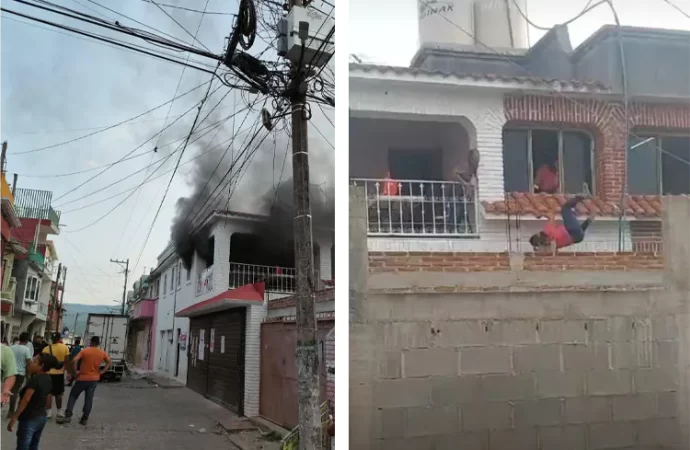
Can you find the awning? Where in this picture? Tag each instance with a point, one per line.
(249, 294)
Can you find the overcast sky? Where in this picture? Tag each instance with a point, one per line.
(385, 31)
(57, 86)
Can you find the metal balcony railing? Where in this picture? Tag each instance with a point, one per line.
(35, 204)
(419, 208)
(275, 279)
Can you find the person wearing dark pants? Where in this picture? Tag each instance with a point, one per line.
(23, 357)
(555, 236)
(89, 374)
(30, 416)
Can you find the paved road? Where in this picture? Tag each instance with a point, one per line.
(134, 415)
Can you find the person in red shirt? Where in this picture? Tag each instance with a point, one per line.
(547, 179)
(555, 235)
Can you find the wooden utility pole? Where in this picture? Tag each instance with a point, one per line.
(124, 290)
(307, 357)
(54, 302)
(62, 298)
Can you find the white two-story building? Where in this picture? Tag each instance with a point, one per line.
(208, 316)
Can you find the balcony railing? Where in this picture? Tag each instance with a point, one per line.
(275, 279)
(419, 208)
(35, 204)
(7, 296)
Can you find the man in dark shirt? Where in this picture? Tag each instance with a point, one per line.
(39, 345)
(31, 413)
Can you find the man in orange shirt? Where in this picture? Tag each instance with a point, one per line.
(88, 375)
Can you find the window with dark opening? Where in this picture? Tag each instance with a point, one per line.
(211, 250)
(254, 258)
(659, 164)
(548, 161)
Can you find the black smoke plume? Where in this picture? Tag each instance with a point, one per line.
(260, 191)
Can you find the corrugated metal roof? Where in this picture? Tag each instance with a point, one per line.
(534, 81)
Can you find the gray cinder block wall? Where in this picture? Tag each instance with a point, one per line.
(529, 370)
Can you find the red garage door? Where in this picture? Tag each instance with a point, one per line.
(279, 373)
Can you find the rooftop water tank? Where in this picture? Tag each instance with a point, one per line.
(470, 23)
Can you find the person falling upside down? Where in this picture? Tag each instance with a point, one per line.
(555, 235)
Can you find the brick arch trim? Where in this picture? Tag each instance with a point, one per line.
(602, 119)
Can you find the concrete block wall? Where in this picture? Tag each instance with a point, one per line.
(523, 370)
(535, 369)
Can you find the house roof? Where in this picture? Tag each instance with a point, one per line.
(526, 204)
(628, 31)
(525, 81)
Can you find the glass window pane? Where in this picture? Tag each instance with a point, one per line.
(674, 165)
(643, 166)
(577, 162)
(515, 161)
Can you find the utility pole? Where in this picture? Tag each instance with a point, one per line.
(62, 298)
(54, 303)
(126, 272)
(74, 330)
(307, 357)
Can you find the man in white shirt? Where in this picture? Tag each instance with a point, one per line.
(23, 356)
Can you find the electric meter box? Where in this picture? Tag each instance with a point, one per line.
(318, 50)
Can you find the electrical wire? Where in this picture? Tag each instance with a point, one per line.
(60, 144)
(586, 9)
(206, 131)
(177, 165)
(677, 8)
(322, 135)
(180, 25)
(190, 9)
(128, 154)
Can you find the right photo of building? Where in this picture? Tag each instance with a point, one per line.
(519, 258)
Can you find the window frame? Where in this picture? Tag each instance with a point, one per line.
(172, 279)
(165, 284)
(27, 288)
(560, 130)
(179, 274)
(644, 134)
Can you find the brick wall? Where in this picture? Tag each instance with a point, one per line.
(490, 262)
(605, 120)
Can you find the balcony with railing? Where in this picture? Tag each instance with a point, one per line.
(30, 307)
(42, 311)
(276, 279)
(35, 204)
(7, 296)
(419, 208)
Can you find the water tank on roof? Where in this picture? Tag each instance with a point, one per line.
(497, 24)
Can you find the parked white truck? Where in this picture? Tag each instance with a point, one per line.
(112, 330)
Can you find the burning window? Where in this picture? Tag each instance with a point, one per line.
(547, 161)
(659, 164)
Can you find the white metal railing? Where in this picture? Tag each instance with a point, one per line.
(419, 208)
(204, 281)
(275, 279)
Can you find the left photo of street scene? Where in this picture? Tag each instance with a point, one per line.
(168, 232)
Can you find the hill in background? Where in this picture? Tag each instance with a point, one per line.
(81, 312)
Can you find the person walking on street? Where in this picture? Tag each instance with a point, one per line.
(38, 345)
(22, 357)
(71, 370)
(31, 413)
(57, 374)
(89, 374)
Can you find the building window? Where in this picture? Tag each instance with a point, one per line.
(172, 280)
(659, 164)
(548, 161)
(32, 289)
(189, 274)
(179, 274)
(165, 283)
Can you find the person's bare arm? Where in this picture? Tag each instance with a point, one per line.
(74, 365)
(22, 406)
(108, 362)
(7, 385)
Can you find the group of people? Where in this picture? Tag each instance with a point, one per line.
(34, 373)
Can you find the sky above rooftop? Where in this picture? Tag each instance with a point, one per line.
(385, 31)
(58, 87)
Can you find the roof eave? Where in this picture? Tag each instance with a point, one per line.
(456, 81)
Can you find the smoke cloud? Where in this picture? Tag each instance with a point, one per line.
(260, 190)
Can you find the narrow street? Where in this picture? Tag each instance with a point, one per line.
(137, 415)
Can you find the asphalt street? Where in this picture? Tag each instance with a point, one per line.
(136, 415)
